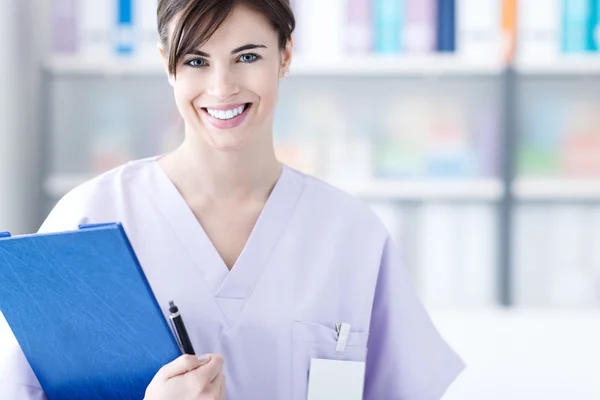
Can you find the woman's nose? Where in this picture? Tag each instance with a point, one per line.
(222, 84)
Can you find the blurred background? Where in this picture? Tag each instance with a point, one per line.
(472, 127)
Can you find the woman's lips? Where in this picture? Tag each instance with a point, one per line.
(223, 117)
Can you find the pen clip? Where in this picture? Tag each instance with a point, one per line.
(343, 332)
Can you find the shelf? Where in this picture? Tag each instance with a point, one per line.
(353, 65)
(476, 190)
(557, 189)
(479, 190)
(376, 65)
(367, 65)
(584, 64)
(73, 66)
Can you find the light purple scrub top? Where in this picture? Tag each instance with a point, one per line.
(316, 257)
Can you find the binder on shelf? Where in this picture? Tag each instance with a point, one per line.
(539, 30)
(125, 27)
(64, 27)
(572, 275)
(594, 28)
(436, 271)
(83, 313)
(321, 28)
(576, 26)
(420, 26)
(486, 122)
(95, 23)
(543, 132)
(388, 23)
(359, 27)
(479, 31)
(146, 28)
(476, 265)
(446, 26)
(509, 29)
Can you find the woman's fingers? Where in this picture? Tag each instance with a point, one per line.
(182, 365)
(209, 372)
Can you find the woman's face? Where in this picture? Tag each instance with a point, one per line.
(226, 92)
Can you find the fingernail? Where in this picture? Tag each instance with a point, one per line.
(203, 358)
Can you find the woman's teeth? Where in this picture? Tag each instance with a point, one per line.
(226, 114)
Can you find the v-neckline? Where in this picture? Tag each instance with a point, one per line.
(231, 288)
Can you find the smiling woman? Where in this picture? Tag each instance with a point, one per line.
(224, 60)
(295, 288)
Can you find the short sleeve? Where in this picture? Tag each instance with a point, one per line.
(66, 215)
(407, 358)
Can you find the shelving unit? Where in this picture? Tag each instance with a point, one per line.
(505, 193)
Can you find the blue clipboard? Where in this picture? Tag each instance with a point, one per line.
(83, 312)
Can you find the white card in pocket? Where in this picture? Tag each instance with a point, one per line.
(336, 380)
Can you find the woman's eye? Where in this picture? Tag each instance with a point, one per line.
(249, 58)
(196, 63)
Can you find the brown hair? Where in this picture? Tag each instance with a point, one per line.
(198, 20)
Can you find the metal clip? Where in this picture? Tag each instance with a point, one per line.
(343, 333)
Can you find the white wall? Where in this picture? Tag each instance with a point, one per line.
(19, 138)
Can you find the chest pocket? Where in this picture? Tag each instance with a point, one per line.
(310, 340)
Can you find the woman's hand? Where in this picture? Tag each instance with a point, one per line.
(189, 378)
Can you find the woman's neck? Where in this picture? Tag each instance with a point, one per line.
(245, 174)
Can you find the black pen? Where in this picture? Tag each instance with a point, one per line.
(183, 338)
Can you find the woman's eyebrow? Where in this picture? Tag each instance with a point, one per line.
(248, 47)
(234, 51)
(199, 53)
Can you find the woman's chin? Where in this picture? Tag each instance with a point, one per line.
(226, 141)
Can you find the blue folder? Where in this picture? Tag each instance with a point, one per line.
(84, 314)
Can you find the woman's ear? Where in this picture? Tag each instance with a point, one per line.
(165, 60)
(286, 59)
